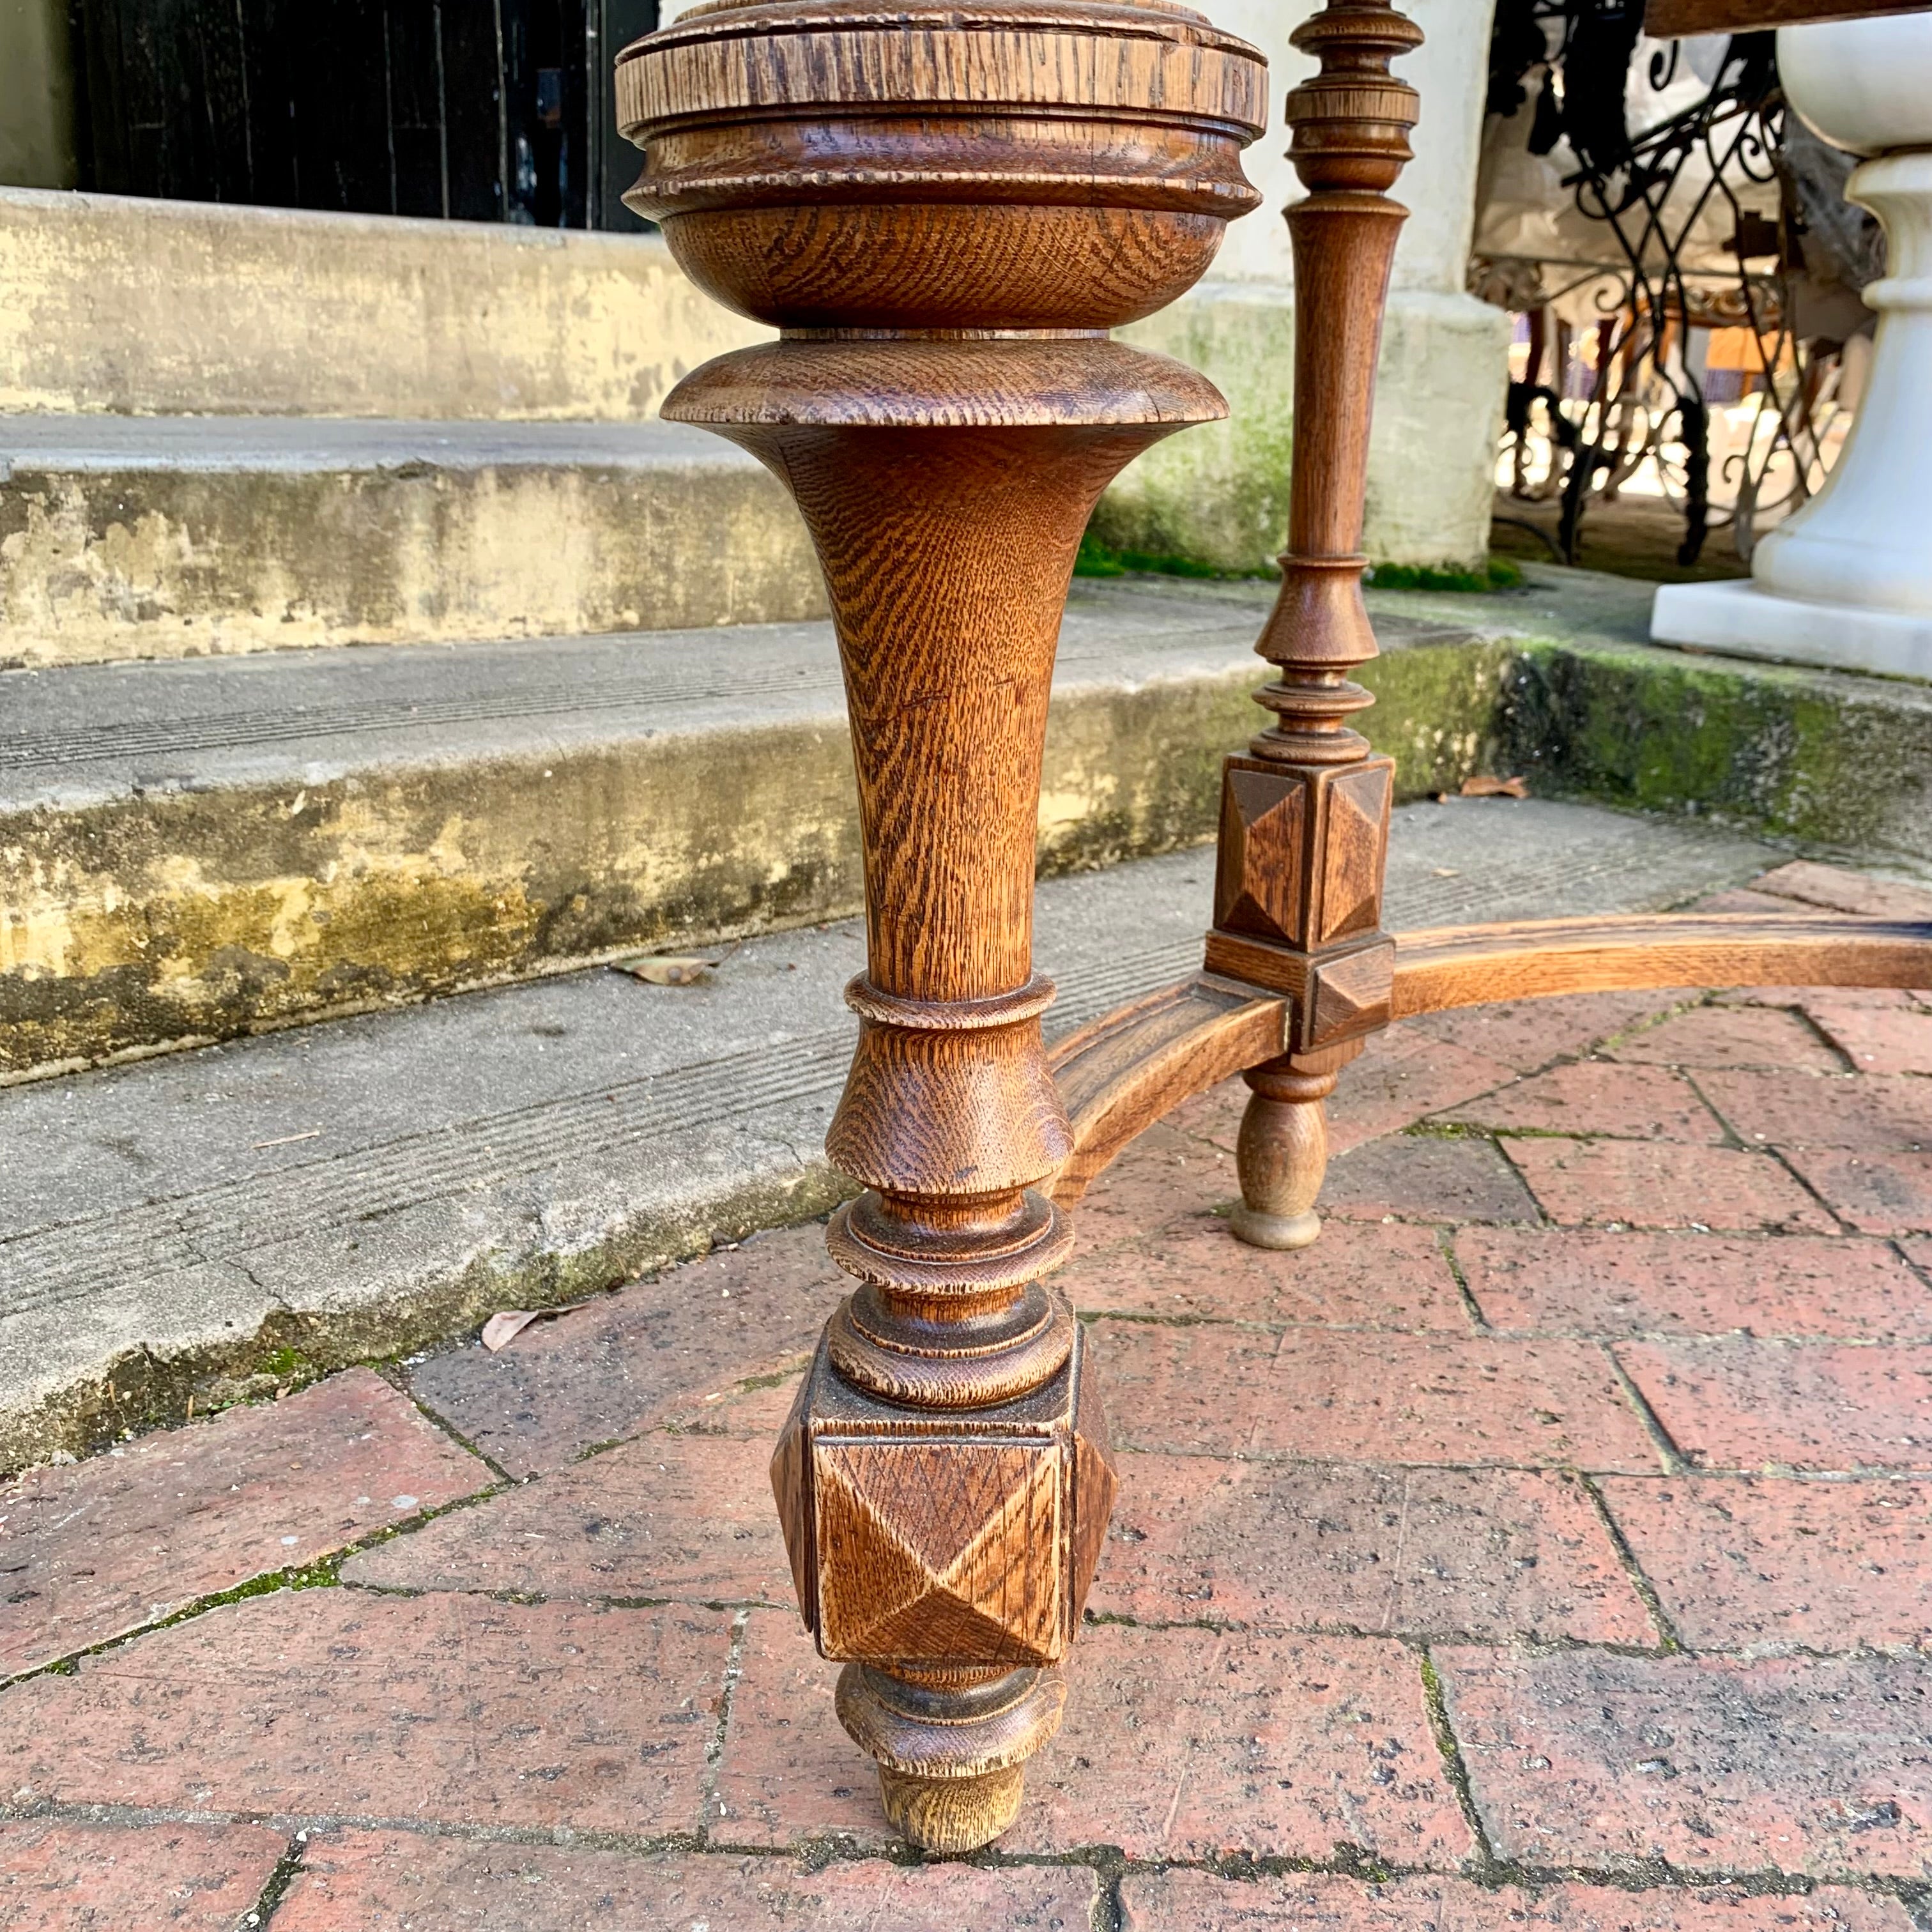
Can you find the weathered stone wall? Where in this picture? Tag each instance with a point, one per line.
(112, 303)
(1220, 494)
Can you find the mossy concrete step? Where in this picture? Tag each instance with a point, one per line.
(1592, 709)
(127, 537)
(192, 849)
(208, 1224)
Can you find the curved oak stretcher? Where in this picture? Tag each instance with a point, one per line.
(944, 206)
(1304, 814)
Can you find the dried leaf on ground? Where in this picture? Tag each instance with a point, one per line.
(503, 1328)
(1490, 787)
(667, 971)
(674, 969)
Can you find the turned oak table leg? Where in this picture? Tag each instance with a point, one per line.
(1304, 823)
(945, 210)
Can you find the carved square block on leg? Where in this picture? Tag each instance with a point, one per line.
(1303, 851)
(966, 1538)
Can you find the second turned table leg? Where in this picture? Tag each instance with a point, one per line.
(1304, 821)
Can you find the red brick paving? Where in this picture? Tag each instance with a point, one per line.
(1631, 1183)
(1483, 1553)
(1841, 891)
(1742, 898)
(358, 1881)
(1876, 1193)
(1330, 1463)
(1426, 1177)
(1745, 1561)
(200, 1510)
(686, 1517)
(1177, 1744)
(1721, 1036)
(1799, 1405)
(69, 1877)
(1528, 1034)
(788, 1773)
(1597, 1096)
(649, 1352)
(1590, 1758)
(1585, 1281)
(1183, 1744)
(1163, 1170)
(1800, 998)
(449, 1710)
(1198, 1901)
(1868, 1113)
(1367, 1397)
(1374, 1275)
(1403, 1075)
(1876, 1039)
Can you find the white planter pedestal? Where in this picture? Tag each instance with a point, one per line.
(1847, 581)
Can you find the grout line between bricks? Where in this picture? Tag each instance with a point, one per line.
(1435, 1703)
(324, 1574)
(1669, 1641)
(1844, 1226)
(1445, 1239)
(1737, 1141)
(714, 1751)
(395, 1375)
(1674, 1464)
(1804, 1016)
(279, 1880)
(1109, 1862)
(1408, 1639)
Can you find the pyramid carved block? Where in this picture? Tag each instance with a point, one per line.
(1354, 840)
(965, 1539)
(1301, 850)
(1263, 845)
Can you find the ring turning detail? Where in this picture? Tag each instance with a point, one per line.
(943, 209)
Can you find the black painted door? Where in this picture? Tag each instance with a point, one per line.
(479, 110)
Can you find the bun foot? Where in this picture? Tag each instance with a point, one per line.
(1260, 1229)
(954, 1815)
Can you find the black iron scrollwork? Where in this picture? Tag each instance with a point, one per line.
(1648, 193)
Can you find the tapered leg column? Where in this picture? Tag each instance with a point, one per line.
(1304, 821)
(944, 1479)
(945, 211)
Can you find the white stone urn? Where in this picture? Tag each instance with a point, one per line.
(1847, 581)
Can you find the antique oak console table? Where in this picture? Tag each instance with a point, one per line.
(945, 206)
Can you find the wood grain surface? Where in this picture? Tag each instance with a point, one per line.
(1476, 965)
(1671, 19)
(944, 208)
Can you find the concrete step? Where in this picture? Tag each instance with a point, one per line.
(182, 1228)
(125, 537)
(130, 305)
(191, 850)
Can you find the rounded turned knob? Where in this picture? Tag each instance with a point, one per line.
(1017, 164)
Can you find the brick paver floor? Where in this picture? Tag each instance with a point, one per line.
(1549, 1547)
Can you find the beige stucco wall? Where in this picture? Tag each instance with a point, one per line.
(1221, 494)
(117, 304)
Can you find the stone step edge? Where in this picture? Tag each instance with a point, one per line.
(550, 1180)
(748, 830)
(388, 540)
